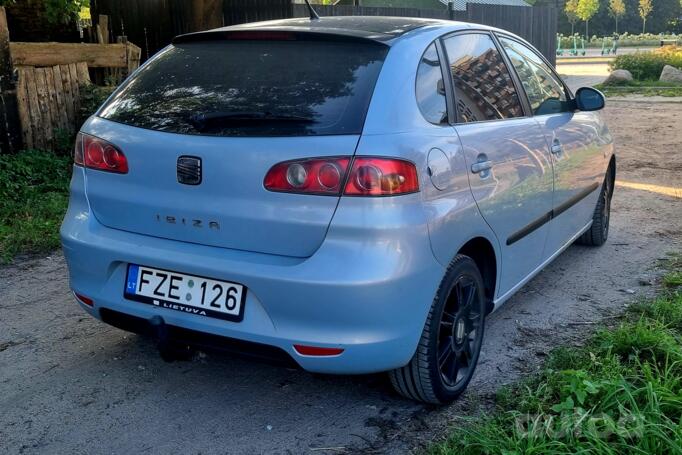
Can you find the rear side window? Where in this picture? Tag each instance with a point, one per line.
(430, 88)
(483, 86)
(293, 87)
(545, 91)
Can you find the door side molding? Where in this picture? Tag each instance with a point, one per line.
(547, 217)
(561, 208)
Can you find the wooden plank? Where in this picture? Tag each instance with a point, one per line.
(208, 14)
(58, 111)
(51, 54)
(64, 123)
(24, 108)
(98, 34)
(103, 27)
(45, 127)
(67, 95)
(51, 98)
(33, 107)
(83, 74)
(10, 126)
(5, 58)
(103, 38)
(75, 88)
(134, 54)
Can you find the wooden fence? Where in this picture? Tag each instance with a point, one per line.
(350, 10)
(153, 23)
(243, 11)
(49, 102)
(538, 25)
(50, 78)
(41, 86)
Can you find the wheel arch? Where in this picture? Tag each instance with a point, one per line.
(482, 252)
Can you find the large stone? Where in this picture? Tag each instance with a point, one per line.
(618, 77)
(671, 74)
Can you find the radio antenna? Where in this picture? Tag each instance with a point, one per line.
(313, 14)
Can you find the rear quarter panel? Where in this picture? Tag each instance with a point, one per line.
(396, 127)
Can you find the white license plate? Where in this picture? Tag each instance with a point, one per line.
(186, 293)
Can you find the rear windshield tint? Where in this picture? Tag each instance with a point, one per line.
(252, 88)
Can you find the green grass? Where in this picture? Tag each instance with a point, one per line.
(645, 88)
(619, 393)
(33, 199)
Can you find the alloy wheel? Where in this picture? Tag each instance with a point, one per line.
(459, 334)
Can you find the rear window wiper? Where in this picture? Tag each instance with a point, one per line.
(203, 120)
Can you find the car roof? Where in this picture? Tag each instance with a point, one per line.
(376, 28)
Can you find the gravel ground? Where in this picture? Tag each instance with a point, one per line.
(69, 384)
(580, 74)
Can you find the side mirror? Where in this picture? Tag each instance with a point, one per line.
(589, 99)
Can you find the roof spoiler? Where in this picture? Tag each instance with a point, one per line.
(272, 34)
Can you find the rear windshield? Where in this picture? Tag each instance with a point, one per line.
(252, 88)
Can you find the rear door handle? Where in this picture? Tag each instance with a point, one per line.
(481, 166)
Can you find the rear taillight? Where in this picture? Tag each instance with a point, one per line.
(311, 176)
(381, 177)
(95, 153)
(369, 176)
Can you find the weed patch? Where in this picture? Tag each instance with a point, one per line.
(619, 393)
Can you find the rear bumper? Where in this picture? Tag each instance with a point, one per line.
(366, 290)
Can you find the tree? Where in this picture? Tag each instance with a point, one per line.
(586, 9)
(63, 10)
(571, 12)
(617, 10)
(645, 8)
(57, 10)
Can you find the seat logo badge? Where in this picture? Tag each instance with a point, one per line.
(189, 170)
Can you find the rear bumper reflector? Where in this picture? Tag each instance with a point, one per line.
(83, 299)
(317, 351)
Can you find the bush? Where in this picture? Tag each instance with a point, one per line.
(33, 198)
(92, 97)
(648, 65)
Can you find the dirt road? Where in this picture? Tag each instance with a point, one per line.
(71, 384)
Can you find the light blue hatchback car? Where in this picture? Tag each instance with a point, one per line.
(348, 194)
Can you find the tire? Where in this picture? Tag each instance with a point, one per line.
(598, 233)
(453, 330)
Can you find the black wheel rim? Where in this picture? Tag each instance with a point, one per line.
(606, 212)
(459, 333)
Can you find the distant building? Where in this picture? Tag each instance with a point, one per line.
(459, 5)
